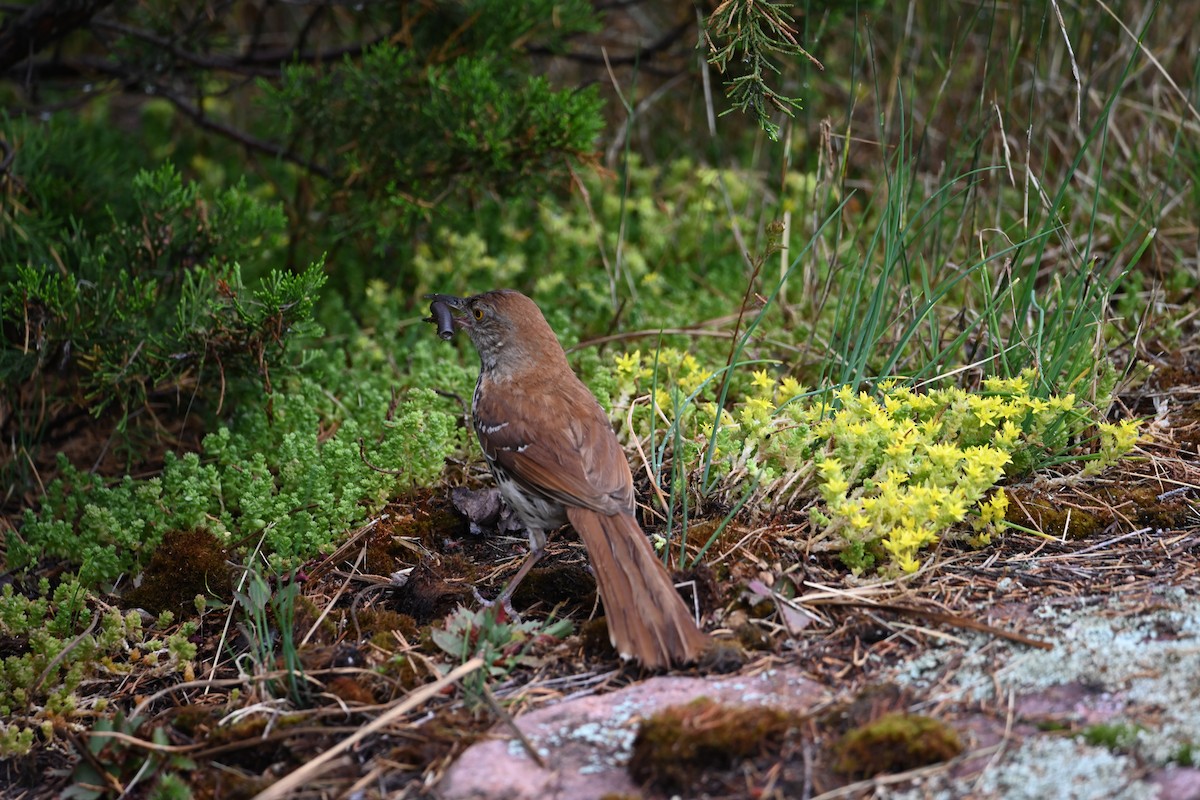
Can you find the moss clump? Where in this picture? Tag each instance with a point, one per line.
(555, 584)
(752, 637)
(374, 621)
(407, 673)
(427, 597)
(596, 642)
(429, 526)
(894, 743)
(184, 565)
(722, 657)
(1052, 517)
(1140, 504)
(1115, 736)
(681, 746)
(1148, 508)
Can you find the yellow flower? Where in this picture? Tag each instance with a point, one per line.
(762, 380)
(759, 404)
(1064, 403)
(688, 383)
(1124, 434)
(829, 467)
(943, 455)
(627, 363)
(892, 404)
(974, 472)
(694, 380)
(986, 409)
(835, 488)
(757, 410)
(1008, 434)
(953, 509)
(789, 388)
(900, 445)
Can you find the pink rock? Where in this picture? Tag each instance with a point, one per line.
(586, 742)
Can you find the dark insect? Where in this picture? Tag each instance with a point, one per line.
(440, 314)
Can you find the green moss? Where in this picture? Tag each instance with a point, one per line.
(374, 621)
(1138, 503)
(677, 747)
(1149, 509)
(1052, 725)
(404, 671)
(894, 743)
(1114, 736)
(185, 564)
(1052, 518)
(752, 637)
(429, 528)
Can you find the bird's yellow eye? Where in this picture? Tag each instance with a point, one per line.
(479, 313)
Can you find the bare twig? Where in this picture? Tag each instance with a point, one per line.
(316, 765)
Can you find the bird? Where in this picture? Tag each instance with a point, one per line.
(556, 459)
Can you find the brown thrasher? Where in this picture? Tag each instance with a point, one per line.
(555, 458)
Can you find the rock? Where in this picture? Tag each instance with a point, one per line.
(586, 742)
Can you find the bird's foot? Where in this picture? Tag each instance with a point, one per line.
(501, 607)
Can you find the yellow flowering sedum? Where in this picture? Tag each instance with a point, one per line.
(891, 473)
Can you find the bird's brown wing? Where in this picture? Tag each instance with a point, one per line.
(572, 458)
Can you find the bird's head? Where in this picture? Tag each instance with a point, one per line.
(506, 327)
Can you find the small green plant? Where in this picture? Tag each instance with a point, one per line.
(267, 624)
(128, 765)
(58, 639)
(503, 645)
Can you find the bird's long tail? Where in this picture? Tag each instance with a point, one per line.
(647, 619)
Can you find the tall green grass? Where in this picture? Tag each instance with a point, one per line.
(981, 214)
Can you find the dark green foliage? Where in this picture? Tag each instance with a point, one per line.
(408, 133)
(443, 117)
(143, 290)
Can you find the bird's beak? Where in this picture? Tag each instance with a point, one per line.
(442, 313)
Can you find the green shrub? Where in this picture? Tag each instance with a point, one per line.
(132, 301)
(143, 291)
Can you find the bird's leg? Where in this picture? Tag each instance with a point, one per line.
(537, 547)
